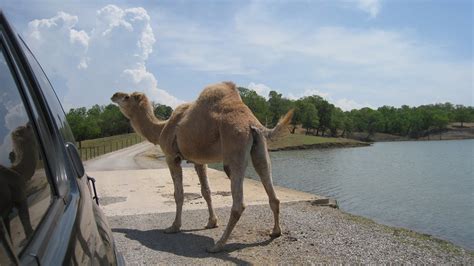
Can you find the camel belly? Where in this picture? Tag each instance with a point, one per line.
(198, 150)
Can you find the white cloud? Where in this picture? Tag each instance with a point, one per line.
(348, 104)
(308, 92)
(371, 7)
(376, 65)
(260, 89)
(93, 64)
(343, 103)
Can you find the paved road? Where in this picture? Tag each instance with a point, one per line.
(124, 159)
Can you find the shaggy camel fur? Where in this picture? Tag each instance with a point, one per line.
(217, 127)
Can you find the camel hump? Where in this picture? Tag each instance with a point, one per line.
(219, 93)
(230, 84)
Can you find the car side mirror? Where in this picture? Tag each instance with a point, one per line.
(76, 159)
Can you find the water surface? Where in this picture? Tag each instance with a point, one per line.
(425, 186)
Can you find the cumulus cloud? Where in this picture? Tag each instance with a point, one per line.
(89, 65)
(308, 92)
(348, 104)
(260, 89)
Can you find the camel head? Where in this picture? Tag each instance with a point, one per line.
(23, 134)
(131, 104)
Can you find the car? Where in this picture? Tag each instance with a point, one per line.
(48, 204)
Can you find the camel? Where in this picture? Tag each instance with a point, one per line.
(13, 180)
(217, 127)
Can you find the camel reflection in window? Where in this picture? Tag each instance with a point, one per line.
(25, 192)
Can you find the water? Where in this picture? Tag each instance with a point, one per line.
(424, 186)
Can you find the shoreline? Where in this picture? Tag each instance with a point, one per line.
(326, 145)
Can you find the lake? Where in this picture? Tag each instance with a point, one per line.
(426, 186)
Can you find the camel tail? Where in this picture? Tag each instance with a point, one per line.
(280, 128)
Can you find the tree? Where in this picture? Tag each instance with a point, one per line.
(162, 111)
(347, 125)
(461, 114)
(306, 114)
(278, 106)
(337, 121)
(113, 122)
(257, 104)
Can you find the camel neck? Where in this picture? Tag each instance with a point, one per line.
(148, 126)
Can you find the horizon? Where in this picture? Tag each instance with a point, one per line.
(354, 54)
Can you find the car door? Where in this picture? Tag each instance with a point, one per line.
(68, 228)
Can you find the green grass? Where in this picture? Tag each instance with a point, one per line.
(95, 147)
(292, 140)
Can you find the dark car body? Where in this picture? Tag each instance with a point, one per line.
(49, 216)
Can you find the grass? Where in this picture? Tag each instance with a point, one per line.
(292, 140)
(95, 147)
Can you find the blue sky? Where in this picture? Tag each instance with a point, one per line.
(354, 53)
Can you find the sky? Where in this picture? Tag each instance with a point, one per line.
(354, 53)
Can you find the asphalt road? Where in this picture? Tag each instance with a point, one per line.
(127, 159)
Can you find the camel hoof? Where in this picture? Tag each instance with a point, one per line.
(275, 234)
(212, 224)
(172, 230)
(215, 249)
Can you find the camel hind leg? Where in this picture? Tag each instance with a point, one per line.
(236, 185)
(235, 161)
(201, 170)
(262, 164)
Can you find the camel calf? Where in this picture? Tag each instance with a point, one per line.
(217, 127)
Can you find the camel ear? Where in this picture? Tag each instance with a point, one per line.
(137, 96)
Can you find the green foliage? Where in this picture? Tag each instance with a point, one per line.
(306, 114)
(463, 114)
(278, 106)
(103, 121)
(256, 103)
(162, 111)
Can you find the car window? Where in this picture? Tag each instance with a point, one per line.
(25, 191)
(50, 95)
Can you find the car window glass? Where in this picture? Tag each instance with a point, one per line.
(25, 191)
(50, 95)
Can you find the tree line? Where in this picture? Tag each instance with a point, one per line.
(313, 113)
(319, 117)
(105, 120)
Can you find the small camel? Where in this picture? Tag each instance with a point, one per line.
(217, 127)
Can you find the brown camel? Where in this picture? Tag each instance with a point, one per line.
(13, 180)
(217, 127)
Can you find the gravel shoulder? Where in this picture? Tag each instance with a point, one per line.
(311, 234)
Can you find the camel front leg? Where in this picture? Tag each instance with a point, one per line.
(174, 164)
(201, 170)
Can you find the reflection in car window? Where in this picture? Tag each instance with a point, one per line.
(50, 95)
(25, 192)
